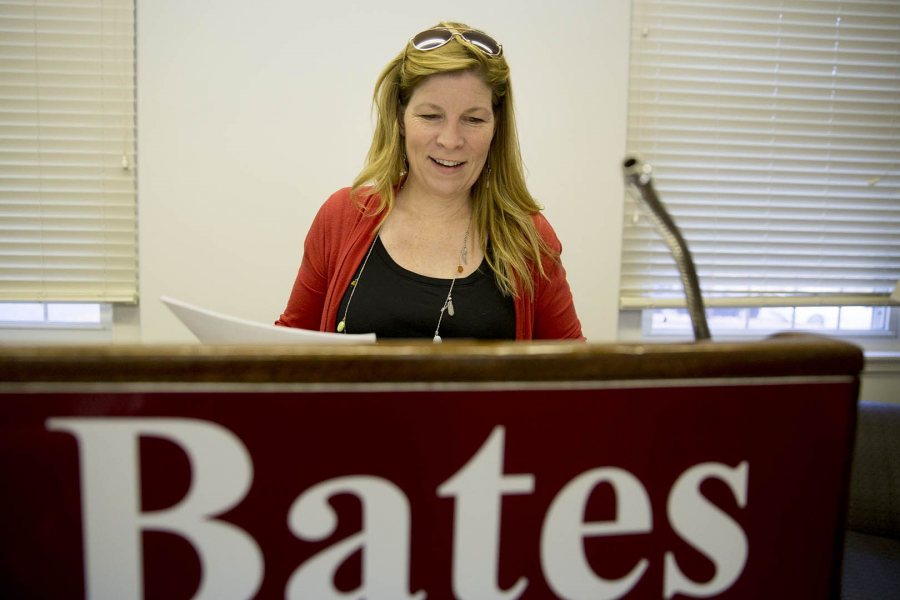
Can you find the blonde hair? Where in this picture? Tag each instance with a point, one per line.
(501, 204)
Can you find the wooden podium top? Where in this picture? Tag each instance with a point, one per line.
(779, 356)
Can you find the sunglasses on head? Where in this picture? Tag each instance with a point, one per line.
(437, 37)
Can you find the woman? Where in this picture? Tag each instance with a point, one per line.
(438, 237)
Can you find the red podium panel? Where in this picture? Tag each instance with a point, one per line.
(437, 481)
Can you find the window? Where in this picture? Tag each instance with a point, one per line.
(55, 315)
(773, 130)
(839, 321)
(67, 183)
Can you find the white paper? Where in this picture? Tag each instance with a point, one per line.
(216, 328)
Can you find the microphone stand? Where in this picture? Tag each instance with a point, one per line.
(638, 178)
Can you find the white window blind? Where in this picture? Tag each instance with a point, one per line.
(773, 131)
(67, 189)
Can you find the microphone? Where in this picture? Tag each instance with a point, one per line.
(638, 177)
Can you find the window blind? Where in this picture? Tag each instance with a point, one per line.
(67, 186)
(773, 131)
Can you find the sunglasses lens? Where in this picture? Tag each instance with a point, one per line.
(483, 41)
(435, 38)
(431, 39)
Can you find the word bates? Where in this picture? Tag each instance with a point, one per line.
(232, 562)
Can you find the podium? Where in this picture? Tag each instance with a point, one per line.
(414, 470)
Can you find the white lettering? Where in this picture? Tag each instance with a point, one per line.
(707, 528)
(567, 570)
(478, 488)
(384, 540)
(230, 561)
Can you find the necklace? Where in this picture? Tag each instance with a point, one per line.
(343, 324)
(448, 302)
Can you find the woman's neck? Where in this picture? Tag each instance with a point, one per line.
(421, 205)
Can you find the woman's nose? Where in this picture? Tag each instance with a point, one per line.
(450, 136)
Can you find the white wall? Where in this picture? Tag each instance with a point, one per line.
(251, 113)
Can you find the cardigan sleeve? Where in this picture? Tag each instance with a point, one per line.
(304, 306)
(554, 308)
(321, 250)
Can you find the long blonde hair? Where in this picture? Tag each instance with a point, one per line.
(501, 204)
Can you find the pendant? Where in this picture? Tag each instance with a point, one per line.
(450, 310)
(437, 339)
(341, 326)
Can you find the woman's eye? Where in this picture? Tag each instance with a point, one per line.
(429, 117)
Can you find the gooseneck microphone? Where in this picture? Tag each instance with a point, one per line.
(638, 177)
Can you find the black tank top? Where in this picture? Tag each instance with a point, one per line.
(396, 303)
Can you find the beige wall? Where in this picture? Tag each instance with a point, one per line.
(251, 113)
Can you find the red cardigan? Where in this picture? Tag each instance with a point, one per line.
(342, 233)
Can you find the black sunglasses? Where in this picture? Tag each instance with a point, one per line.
(437, 37)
